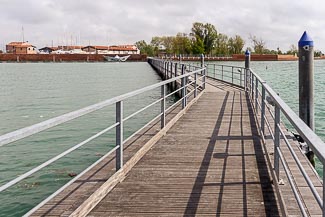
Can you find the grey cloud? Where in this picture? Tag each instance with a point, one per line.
(278, 22)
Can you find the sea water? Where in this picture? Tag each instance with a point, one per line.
(34, 92)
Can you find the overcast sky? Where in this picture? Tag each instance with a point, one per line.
(278, 22)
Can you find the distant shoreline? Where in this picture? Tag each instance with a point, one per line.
(50, 58)
(66, 57)
(241, 57)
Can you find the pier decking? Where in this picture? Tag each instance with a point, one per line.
(211, 162)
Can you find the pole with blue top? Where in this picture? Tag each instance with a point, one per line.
(306, 84)
(247, 63)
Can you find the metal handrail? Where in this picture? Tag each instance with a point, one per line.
(52, 160)
(118, 101)
(252, 84)
(313, 141)
(36, 128)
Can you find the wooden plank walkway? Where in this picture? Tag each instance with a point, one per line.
(210, 163)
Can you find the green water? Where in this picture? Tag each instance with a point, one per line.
(34, 92)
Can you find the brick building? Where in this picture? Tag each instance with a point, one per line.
(20, 48)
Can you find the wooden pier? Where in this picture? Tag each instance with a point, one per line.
(211, 162)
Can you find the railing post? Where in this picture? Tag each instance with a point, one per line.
(241, 77)
(204, 79)
(222, 72)
(163, 106)
(323, 190)
(175, 75)
(202, 60)
(263, 110)
(252, 90)
(276, 140)
(165, 70)
(232, 75)
(167, 74)
(195, 85)
(171, 71)
(183, 88)
(119, 135)
(245, 79)
(256, 95)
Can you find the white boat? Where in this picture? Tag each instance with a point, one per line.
(117, 58)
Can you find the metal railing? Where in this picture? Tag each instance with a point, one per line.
(180, 75)
(261, 95)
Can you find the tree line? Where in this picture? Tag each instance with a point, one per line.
(205, 39)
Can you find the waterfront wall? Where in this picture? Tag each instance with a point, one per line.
(241, 57)
(265, 57)
(63, 57)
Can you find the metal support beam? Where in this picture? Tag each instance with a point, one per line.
(222, 72)
(263, 110)
(256, 95)
(204, 79)
(163, 106)
(119, 135)
(276, 140)
(195, 85)
(252, 87)
(183, 83)
(232, 75)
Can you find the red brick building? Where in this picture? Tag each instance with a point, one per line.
(20, 48)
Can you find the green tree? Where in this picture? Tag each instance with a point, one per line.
(198, 46)
(318, 53)
(182, 44)
(156, 41)
(167, 41)
(231, 48)
(259, 44)
(292, 50)
(210, 36)
(145, 48)
(206, 33)
(198, 31)
(221, 45)
(238, 44)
